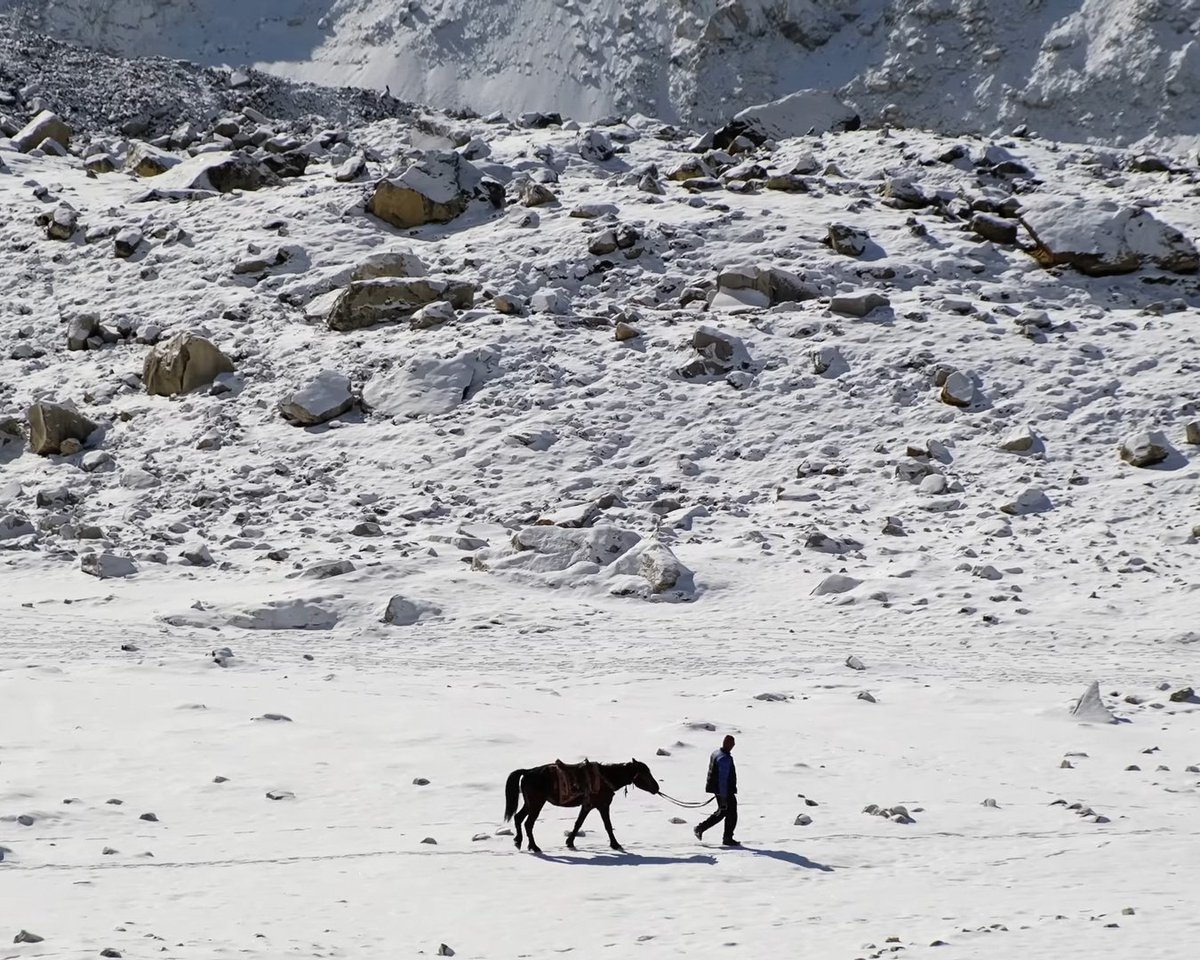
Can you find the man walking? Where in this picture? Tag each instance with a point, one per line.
(722, 780)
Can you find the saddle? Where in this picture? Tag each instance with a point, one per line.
(578, 781)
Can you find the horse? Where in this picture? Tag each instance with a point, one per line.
(541, 784)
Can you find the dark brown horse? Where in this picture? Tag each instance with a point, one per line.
(598, 784)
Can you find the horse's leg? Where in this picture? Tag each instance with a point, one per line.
(535, 807)
(612, 839)
(517, 824)
(584, 810)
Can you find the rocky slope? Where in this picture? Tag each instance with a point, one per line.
(895, 371)
(1100, 71)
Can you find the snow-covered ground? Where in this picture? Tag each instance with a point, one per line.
(842, 488)
(1103, 70)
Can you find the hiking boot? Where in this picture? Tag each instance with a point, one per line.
(731, 843)
(697, 833)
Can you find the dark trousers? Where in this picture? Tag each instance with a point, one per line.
(727, 811)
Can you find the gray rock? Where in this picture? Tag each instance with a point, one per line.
(432, 315)
(718, 353)
(327, 569)
(26, 937)
(198, 556)
(367, 302)
(846, 240)
(397, 262)
(854, 663)
(803, 820)
(45, 126)
(1192, 431)
(958, 390)
(1021, 440)
(996, 229)
(62, 223)
(320, 400)
(107, 566)
(1090, 708)
(280, 795)
(1145, 449)
(860, 304)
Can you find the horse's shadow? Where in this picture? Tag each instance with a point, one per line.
(794, 859)
(625, 860)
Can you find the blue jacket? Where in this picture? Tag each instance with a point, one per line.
(722, 774)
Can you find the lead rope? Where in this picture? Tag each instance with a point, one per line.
(689, 806)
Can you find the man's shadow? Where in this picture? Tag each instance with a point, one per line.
(626, 859)
(795, 859)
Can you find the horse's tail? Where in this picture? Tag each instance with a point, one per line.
(512, 791)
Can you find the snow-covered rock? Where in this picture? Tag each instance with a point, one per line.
(365, 303)
(799, 114)
(107, 566)
(434, 190)
(403, 612)
(1091, 708)
(325, 396)
(429, 386)
(1101, 237)
(1146, 448)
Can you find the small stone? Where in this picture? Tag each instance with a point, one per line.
(1066, 765)
(110, 952)
(859, 304)
(444, 950)
(149, 817)
(1145, 449)
(866, 695)
(989, 802)
(26, 937)
(430, 841)
(1127, 912)
(660, 752)
(854, 663)
(278, 717)
(25, 820)
(803, 820)
(108, 851)
(420, 782)
(1183, 695)
(219, 779)
(280, 795)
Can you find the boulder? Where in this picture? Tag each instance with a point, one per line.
(433, 315)
(534, 194)
(324, 397)
(435, 190)
(13, 525)
(903, 194)
(594, 145)
(62, 223)
(1029, 500)
(367, 302)
(218, 173)
(835, 583)
(182, 364)
(429, 385)
(1145, 449)
(848, 241)
(148, 161)
(80, 329)
(861, 303)
(354, 168)
(51, 423)
(390, 263)
(1020, 440)
(997, 229)
(717, 353)
(1100, 237)
(1192, 431)
(655, 570)
(796, 115)
(1090, 708)
(45, 126)
(126, 242)
(107, 566)
(758, 285)
(402, 612)
(958, 390)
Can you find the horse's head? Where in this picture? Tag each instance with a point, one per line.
(643, 779)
